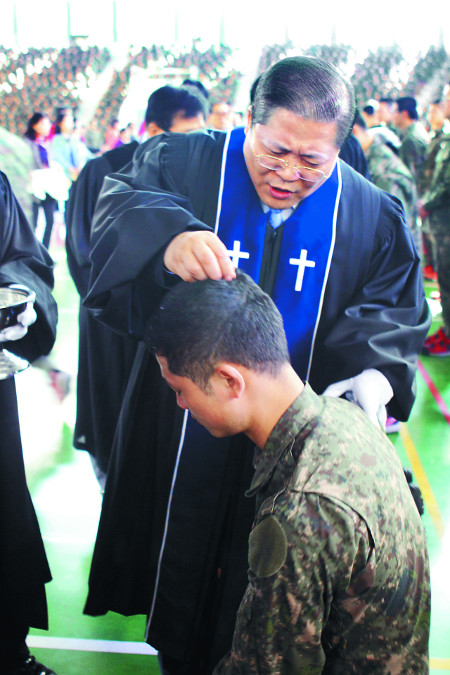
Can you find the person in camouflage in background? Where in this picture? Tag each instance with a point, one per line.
(339, 573)
(414, 138)
(439, 126)
(387, 171)
(435, 204)
(16, 161)
(413, 148)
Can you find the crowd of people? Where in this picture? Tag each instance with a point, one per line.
(166, 226)
(45, 79)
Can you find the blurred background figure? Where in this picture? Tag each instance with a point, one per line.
(37, 132)
(414, 137)
(439, 128)
(386, 109)
(412, 150)
(17, 163)
(111, 135)
(124, 137)
(374, 115)
(435, 206)
(221, 117)
(66, 148)
(93, 137)
(387, 171)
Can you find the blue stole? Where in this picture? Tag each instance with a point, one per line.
(306, 251)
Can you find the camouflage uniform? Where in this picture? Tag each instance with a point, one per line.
(437, 202)
(413, 149)
(16, 161)
(413, 153)
(389, 173)
(424, 183)
(339, 577)
(427, 170)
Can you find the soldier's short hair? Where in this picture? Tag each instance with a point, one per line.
(408, 104)
(204, 322)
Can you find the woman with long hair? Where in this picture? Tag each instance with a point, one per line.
(37, 132)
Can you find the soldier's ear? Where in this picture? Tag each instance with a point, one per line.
(229, 380)
(153, 129)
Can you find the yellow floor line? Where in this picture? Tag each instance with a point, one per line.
(440, 664)
(422, 481)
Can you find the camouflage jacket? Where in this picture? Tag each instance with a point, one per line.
(16, 161)
(436, 199)
(413, 149)
(428, 167)
(389, 173)
(339, 576)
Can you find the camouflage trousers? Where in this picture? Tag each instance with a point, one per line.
(441, 255)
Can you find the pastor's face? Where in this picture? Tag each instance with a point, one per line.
(299, 142)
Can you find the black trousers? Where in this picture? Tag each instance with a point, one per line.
(13, 648)
(49, 205)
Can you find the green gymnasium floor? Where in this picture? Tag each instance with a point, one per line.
(67, 500)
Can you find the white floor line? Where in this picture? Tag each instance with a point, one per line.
(81, 645)
(74, 310)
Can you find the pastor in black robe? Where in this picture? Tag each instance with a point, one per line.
(23, 564)
(104, 357)
(374, 315)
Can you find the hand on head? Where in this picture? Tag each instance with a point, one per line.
(199, 255)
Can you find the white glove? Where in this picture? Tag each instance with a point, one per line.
(370, 390)
(25, 319)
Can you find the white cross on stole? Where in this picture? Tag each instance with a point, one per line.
(302, 263)
(236, 253)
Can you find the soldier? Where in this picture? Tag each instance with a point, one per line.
(17, 163)
(413, 148)
(439, 126)
(387, 171)
(435, 205)
(375, 117)
(339, 578)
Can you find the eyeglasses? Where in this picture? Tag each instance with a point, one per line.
(278, 164)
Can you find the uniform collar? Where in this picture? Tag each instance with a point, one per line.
(297, 417)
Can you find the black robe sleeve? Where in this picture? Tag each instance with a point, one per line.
(353, 154)
(24, 260)
(137, 215)
(375, 313)
(80, 210)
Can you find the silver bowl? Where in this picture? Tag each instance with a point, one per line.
(13, 301)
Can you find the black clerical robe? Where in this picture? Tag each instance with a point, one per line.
(23, 565)
(100, 387)
(374, 315)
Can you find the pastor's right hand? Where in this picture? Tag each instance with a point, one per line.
(199, 255)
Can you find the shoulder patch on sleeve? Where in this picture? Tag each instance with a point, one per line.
(267, 547)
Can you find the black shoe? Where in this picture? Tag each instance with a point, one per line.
(32, 667)
(415, 491)
(418, 499)
(408, 475)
